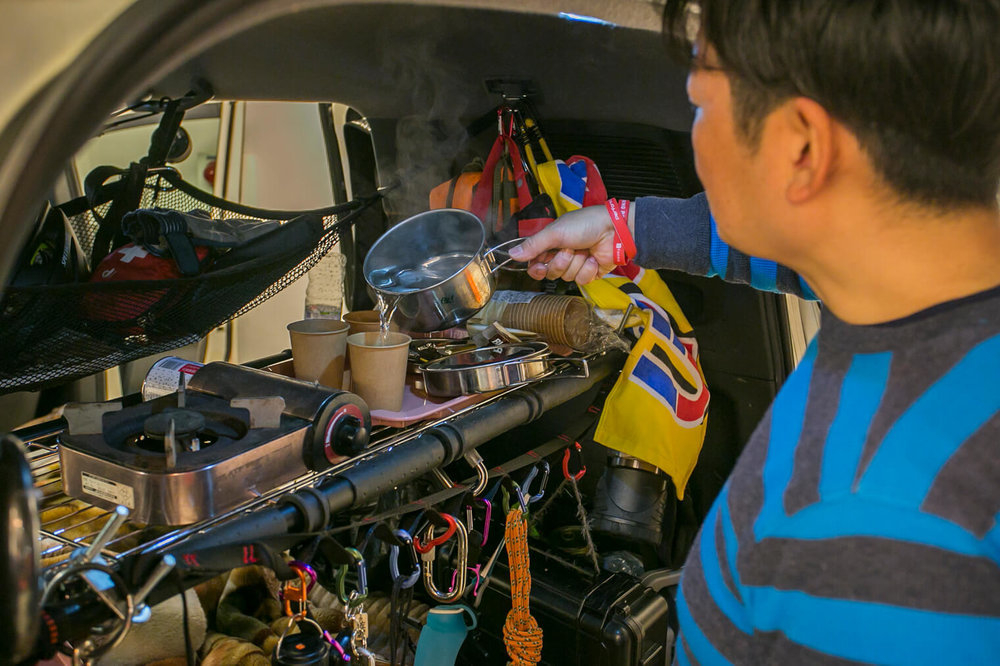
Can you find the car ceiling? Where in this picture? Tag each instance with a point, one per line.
(389, 60)
(396, 60)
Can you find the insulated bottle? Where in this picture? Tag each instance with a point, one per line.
(442, 636)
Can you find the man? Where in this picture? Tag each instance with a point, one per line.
(853, 150)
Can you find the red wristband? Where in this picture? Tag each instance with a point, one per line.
(624, 249)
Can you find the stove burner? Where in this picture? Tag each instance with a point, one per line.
(189, 431)
(187, 423)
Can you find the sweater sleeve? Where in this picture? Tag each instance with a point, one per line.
(680, 234)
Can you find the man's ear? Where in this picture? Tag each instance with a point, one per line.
(809, 148)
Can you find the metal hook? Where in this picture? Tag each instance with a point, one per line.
(461, 565)
(517, 492)
(429, 542)
(361, 593)
(528, 497)
(565, 463)
(414, 576)
(299, 594)
(486, 520)
(482, 474)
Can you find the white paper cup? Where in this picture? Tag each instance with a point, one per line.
(378, 368)
(319, 347)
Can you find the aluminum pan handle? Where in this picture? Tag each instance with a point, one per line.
(505, 366)
(503, 264)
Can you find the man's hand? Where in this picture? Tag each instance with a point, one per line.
(576, 247)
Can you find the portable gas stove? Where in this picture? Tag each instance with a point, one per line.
(232, 434)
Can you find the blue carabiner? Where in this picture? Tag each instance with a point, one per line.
(528, 497)
(414, 576)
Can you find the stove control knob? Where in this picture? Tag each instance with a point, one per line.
(344, 434)
(350, 436)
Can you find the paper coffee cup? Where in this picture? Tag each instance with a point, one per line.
(362, 321)
(378, 368)
(319, 347)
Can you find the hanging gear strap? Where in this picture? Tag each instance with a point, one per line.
(128, 195)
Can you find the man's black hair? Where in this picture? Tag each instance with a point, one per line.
(916, 81)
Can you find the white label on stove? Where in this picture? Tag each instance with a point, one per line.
(504, 296)
(107, 489)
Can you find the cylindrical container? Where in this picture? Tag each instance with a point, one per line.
(362, 321)
(378, 368)
(165, 376)
(630, 500)
(341, 420)
(560, 319)
(443, 635)
(325, 286)
(302, 650)
(319, 347)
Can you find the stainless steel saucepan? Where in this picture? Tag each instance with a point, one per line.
(434, 269)
(492, 368)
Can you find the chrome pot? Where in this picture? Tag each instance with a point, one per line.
(433, 269)
(493, 368)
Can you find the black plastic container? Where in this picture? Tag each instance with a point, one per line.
(630, 500)
(616, 620)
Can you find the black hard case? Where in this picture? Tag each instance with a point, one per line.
(617, 620)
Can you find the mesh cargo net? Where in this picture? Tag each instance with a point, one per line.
(53, 334)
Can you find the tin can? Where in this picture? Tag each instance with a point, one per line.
(166, 375)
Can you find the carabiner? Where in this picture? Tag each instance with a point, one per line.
(516, 489)
(565, 463)
(528, 497)
(461, 565)
(414, 576)
(476, 570)
(482, 474)
(486, 521)
(299, 594)
(361, 593)
(430, 541)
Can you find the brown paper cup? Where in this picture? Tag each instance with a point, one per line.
(362, 321)
(318, 350)
(560, 319)
(378, 368)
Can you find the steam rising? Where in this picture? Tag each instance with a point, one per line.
(432, 140)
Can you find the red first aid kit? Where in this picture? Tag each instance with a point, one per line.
(132, 262)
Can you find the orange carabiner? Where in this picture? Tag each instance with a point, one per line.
(298, 594)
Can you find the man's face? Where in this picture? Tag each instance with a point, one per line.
(729, 169)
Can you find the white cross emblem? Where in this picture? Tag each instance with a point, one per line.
(132, 252)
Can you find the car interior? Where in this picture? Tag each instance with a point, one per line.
(418, 87)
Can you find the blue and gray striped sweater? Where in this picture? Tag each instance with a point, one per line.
(860, 522)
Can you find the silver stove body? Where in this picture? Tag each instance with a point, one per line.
(184, 496)
(246, 454)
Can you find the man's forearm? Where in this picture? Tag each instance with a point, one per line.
(679, 234)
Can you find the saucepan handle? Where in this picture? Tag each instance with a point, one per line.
(583, 371)
(503, 264)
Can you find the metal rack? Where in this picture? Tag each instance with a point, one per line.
(131, 538)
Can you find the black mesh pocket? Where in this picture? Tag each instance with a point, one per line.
(56, 333)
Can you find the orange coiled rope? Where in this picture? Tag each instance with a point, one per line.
(521, 633)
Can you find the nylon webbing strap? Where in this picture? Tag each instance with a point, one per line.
(529, 458)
